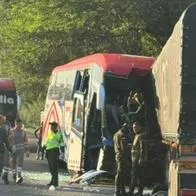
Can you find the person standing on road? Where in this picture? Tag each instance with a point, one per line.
(6, 157)
(52, 145)
(122, 151)
(40, 149)
(20, 146)
(139, 159)
(3, 142)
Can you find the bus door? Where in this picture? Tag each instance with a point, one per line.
(75, 148)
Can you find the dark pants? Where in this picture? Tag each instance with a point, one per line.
(137, 175)
(53, 157)
(108, 159)
(40, 149)
(1, 162)
(120, 178)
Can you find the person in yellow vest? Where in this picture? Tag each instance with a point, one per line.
(52, 145)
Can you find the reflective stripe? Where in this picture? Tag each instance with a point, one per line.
(19, 169)
(5, 170)
(18, 147)
(19, 140)
(14, 171)
(19, 172)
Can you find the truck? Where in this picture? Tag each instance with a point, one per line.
(174, 79)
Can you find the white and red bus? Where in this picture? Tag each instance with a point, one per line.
(79, 96)
(8, 99)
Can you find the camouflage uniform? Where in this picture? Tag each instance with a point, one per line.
(3, 142)
(139, 159)
(6, 157)
(121, 147)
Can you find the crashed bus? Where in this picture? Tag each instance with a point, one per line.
(174, 75)
(82, 97)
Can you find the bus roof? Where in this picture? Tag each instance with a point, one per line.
(117, 64)
(7, 84)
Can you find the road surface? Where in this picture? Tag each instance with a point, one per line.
(36, 177)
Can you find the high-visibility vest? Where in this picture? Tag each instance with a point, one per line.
(53, 140)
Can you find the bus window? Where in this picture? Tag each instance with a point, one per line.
(78, 115)
(81, 82)
(76, 83)
(52, 88)
(61, 86)
(85, 82)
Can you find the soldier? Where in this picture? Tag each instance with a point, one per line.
(19, 142)
(3, 141)
(52, 145)
(6, 157)
(139, 159)
(121, 147)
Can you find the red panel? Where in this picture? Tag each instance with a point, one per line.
(52, 116)
(118, 64)
(68, 109)
(7, 84)
(188, 193)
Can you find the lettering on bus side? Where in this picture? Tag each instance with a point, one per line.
(6, 100)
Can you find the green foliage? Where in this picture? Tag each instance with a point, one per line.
(31, 113)
(160, 16)
(35, 36)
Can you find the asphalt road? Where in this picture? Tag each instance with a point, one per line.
(36, 176)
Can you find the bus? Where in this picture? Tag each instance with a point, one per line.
(8, 99)
(84, 97)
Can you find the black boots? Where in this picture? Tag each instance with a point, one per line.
(19, 180)
(5, 178)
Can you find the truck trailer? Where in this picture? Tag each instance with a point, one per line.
(174, 77)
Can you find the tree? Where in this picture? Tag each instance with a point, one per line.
(37, 35)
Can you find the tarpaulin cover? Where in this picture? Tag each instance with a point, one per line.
(174, 75)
